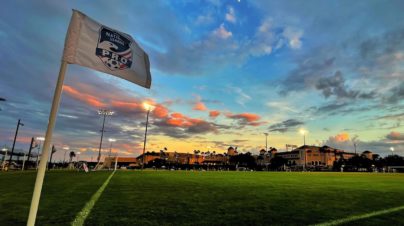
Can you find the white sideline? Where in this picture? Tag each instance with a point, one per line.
(359, 217)
(82, 215)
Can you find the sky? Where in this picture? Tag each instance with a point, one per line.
(223, 74)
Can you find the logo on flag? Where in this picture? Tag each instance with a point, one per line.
(113, 49)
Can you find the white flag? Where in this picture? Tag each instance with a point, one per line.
(91, 44)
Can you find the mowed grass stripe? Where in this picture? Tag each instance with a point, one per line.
(360, 217)
(82, 215)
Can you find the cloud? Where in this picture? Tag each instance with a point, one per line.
(283, 106)
(86, 98)
(242, 98)
(305, 75)
(200, 106)
(264, 39)
(399, 117)
(246, 118)
(230, 15)
(285, 125)
(204, 19)
(382, 147)
(396, 94)
(214, 113)
(294, 37)
(395, 136)
(361, 70)
(335, 86)
(173, 124)
(341, 137)
(160, 111)
(178, 125)
(222, 33)
(341, 141)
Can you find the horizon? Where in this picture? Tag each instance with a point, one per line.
(224, 73)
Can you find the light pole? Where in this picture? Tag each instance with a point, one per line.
(392, 150)
(31, 146)
(111, 140)
(303, 132)
(15, 138)
(66, 148)
(266, 141)
(148, 108)
(39, 148)
(104, 113)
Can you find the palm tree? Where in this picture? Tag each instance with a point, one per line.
(72, 155)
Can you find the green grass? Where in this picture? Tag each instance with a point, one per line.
(204, 198)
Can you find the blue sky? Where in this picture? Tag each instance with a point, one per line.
(224, 72)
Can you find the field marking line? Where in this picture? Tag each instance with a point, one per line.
(83, 214)
(359, 217)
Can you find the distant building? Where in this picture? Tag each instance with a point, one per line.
(313, 156)
(304, 157)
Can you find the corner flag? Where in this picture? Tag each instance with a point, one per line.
(101, 48)
(91, 44)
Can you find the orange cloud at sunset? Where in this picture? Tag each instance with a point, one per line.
(249, 117)
(214, 113)
(199, 106)
(246, 118)
(342, 137)
(180, 120)
(160, 111)
(122, 104)
(86, 98)
(394, 135)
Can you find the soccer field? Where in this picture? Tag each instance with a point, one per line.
(206, 198)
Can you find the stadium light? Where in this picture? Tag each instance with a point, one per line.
(104, 113)
(148, 107)
(266, 141)
(40, 139)
(66, 148)
(303, 132)
(111, 140)
(392, 150)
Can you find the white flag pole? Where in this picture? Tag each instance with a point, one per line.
(45, 149)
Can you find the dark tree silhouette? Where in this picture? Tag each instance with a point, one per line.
(243, 160)
(277, 162)
(72, 155)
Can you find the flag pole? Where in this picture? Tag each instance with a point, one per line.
(45, 149)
